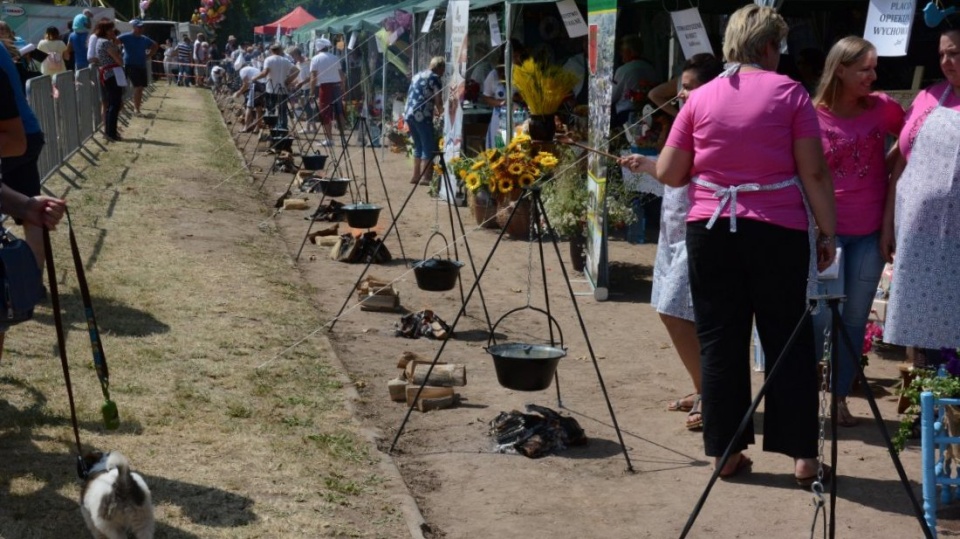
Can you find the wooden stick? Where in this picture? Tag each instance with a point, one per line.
(571, 142)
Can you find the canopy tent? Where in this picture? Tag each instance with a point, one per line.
(286, 24)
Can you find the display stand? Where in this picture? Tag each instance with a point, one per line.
(539, 230)
(837, 329)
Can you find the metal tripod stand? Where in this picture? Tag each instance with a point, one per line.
(837, 329)
(532, 195)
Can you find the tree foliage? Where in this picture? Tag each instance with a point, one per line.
(243, 15)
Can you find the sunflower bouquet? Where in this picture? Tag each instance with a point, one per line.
(543, 88)
(506, 171)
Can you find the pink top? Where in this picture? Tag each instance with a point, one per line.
(855, 151)
(921, 107)
(741, 130)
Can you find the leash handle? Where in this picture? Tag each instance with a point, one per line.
(61, 340)
(96, 347)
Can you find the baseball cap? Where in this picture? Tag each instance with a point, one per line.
(136, 23)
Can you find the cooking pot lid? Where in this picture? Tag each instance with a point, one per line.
(513, 350)
(438, 263)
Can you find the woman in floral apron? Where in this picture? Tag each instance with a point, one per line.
(922, 221)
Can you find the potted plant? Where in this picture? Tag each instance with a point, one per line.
(543, 88)
(943, 384)
(565, 199)
(504, 173)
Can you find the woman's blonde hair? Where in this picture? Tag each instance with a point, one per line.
(845, 52)
(750, 30)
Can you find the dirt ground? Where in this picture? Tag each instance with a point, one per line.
(245, 424)
(465, 490)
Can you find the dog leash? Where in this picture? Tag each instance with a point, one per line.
(111, 417)
(62, 347)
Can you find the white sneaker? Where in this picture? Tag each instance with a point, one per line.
(327, 143)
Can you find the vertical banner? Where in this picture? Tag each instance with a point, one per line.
(602, 29)
(458, 24)
(888, 26)
(690, 32)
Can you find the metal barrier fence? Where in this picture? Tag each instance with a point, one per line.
(67, 105)
(41, 98)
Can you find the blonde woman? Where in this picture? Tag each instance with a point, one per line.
(748, 240)
(854, 125)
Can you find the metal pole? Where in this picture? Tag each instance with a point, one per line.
(508, 70)
(383, 104)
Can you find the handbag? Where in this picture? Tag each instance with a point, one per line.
(21, 286)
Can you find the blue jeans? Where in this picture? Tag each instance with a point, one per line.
(424, 139)
(860, 267)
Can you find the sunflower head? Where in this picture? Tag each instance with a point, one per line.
(525, 181)
(472, 180)
(506, 185)
(497, 164)
(548, 161)
(515, 168)
(478, 165)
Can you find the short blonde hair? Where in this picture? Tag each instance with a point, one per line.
(750, 30)
(437, 63)
(845, 52)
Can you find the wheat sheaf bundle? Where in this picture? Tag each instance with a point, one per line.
(543, 88)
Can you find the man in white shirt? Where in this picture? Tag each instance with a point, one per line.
(279, 72)
(200, 56)
(628, 77)
(327, 77)
(254, 96)
(308, 106)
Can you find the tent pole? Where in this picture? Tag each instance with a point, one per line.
(508, 70)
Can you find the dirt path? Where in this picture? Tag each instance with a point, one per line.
(191, 298)
(467, 491)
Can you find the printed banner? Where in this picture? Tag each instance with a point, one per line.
(458, 25)
(690, 32)
(888, 26)
(602, 48)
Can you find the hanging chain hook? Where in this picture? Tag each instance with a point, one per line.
(529, 250)
(817, 486)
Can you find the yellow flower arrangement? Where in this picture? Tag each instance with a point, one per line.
(503, 172)
(543, 88)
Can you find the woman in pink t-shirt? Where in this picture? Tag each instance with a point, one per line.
(741, 142)
(854, 125)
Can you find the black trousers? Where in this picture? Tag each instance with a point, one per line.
(759, 272)
(114, 97)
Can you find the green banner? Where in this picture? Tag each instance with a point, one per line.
(594, 6)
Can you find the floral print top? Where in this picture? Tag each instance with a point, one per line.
(420, 97)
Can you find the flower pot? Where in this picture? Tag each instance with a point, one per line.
(542, 127)
(578, 251)
(518, 228)
(484, 208)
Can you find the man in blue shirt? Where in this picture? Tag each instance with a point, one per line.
(137, 51)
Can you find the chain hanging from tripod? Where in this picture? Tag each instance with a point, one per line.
(533, 236)
(826, 368)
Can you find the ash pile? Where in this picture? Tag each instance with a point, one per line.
(537, 433)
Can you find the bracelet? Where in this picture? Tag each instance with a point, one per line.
(825, 239)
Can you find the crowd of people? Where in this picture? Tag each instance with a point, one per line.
(747, 241)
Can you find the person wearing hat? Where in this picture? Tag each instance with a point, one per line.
(279, 72)
(77, 42)
(327, 77)
(137, 49)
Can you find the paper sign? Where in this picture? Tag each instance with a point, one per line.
(888, 26)
(495, 39)
(572, 19)
(353, 41)
(428, 21)
(690, 32)
(380, 39)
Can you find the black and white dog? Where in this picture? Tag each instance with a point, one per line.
(115, 500)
